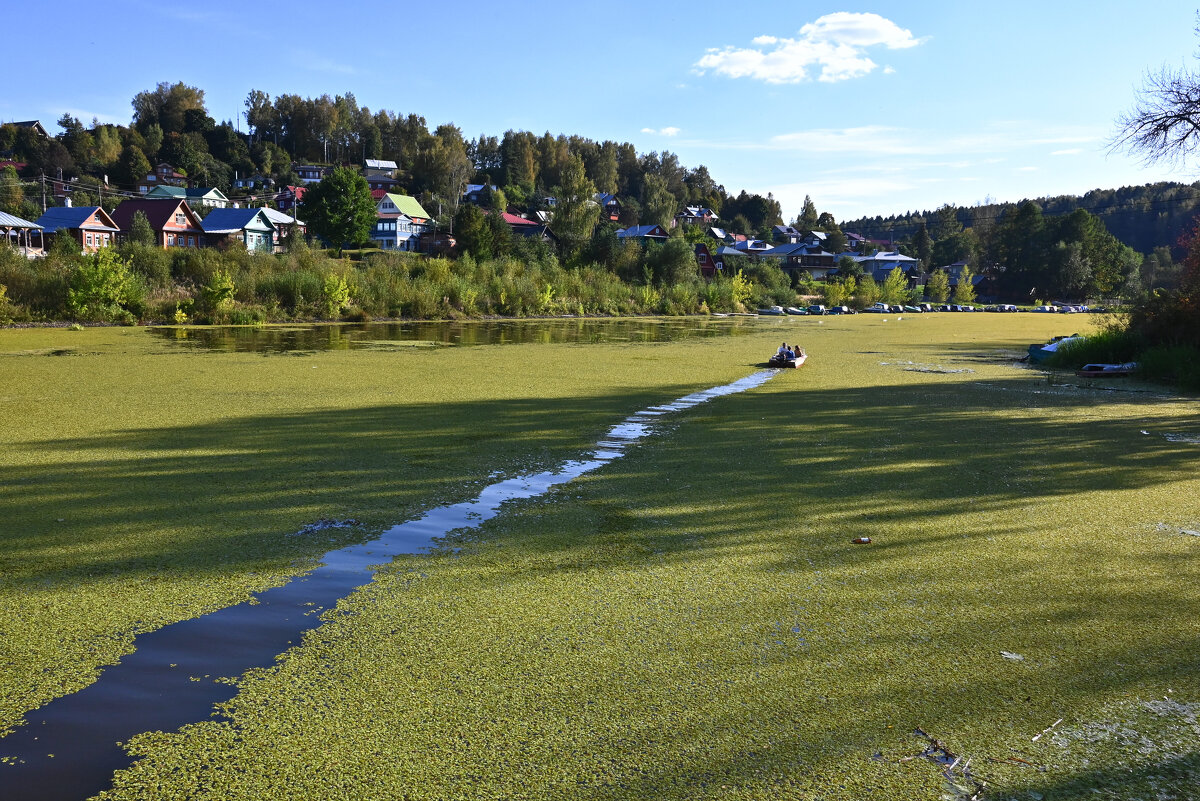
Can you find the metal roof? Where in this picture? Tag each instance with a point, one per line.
(9, 221)
(225, 221)
(407, 204)
(279, 218)
(381, 164)
(71, 217)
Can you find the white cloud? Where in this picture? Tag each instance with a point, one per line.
(836, 45)
(882, 140)
(889, 70)
(1071, 151)
(670, 130)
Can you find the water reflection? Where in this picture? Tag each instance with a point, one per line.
(365, 336)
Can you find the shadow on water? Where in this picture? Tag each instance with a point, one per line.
(348, 336)
(69, 748)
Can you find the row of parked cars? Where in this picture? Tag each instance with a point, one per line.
(920, 308)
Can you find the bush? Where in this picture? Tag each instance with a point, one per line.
(102, 289)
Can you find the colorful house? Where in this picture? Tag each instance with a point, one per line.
(164, 175)
(173, 222)
(286, 227)
(252, 227)
(400, 222)
(90, 226)
(198, 196)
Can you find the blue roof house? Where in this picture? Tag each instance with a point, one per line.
(251, 227)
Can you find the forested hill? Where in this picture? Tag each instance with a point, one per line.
(1143, 217)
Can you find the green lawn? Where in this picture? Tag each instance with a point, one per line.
(691, 621)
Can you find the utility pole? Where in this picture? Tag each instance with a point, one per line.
(43, 191)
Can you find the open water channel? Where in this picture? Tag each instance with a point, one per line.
(70, 748)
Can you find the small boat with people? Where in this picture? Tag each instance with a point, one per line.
(788, 356)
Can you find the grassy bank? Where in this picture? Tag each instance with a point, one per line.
(692, 621)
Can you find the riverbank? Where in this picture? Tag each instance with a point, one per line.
(693, 621)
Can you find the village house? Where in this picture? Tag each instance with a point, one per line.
(173, 222)
(252, 227)
(311, 173)
(610, 207)
(379, 168)
(695, 215)
(290, 198)
(646, 233)
(878, 265)
(804, 259)
(400, 222)
(164, 175)
(90, 226)
(207, 196)
(709, 266)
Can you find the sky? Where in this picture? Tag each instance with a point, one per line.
(870, 108)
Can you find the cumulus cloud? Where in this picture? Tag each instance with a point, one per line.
(835, 46)
(670, 130)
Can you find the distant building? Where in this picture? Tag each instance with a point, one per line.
(252, 227)
(173, 222)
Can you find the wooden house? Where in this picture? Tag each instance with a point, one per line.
(197, 196)
(90, 226)
(252, 227)
(174, 223)
(399, 223)
(647, 233)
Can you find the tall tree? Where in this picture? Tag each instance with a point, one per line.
(576, 214)
(340, 208)
(808, 218)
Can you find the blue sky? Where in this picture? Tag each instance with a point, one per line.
(870, 108)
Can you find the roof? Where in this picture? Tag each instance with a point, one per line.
(9, 221)
(183, 194)
(158, 212)
(604, 198)
(792, 248)
(634, 231)
(884, 256)
(513, 219)
(69, 217)
(407, 204)
(380, 164)
(226, 221)
(34, 124)
(278, 217)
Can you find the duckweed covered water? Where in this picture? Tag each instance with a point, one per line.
(691, 622)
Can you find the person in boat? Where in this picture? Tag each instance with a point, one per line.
(782, 353)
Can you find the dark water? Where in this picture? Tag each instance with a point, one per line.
(350, 336)
(68, 750)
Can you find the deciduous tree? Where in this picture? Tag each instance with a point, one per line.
(340, 208)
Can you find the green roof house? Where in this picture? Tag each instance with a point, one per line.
(400, 222)
(198, 196)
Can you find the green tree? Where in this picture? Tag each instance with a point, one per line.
(938, 286)
(140, 231)
(867, 291)
(923, 246)
(895, 287)
(658, 204)
(576, 214)
(472, 232)
(808, 218)
(340, 208)
(218, 292)
(964, 291)
(12, 193)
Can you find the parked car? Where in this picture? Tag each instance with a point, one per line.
(876, 308)
(816, 308)
(913, 309)
(925, 307)
(946, 307)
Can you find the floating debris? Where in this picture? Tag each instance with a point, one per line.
(1012, 656)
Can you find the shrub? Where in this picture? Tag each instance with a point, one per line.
(102, 288)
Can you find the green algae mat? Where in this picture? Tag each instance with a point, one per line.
(690, 621)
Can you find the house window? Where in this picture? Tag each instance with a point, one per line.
(179, 220)
(191, 242)
(89, 240)
(170, 240)
(106, 240)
